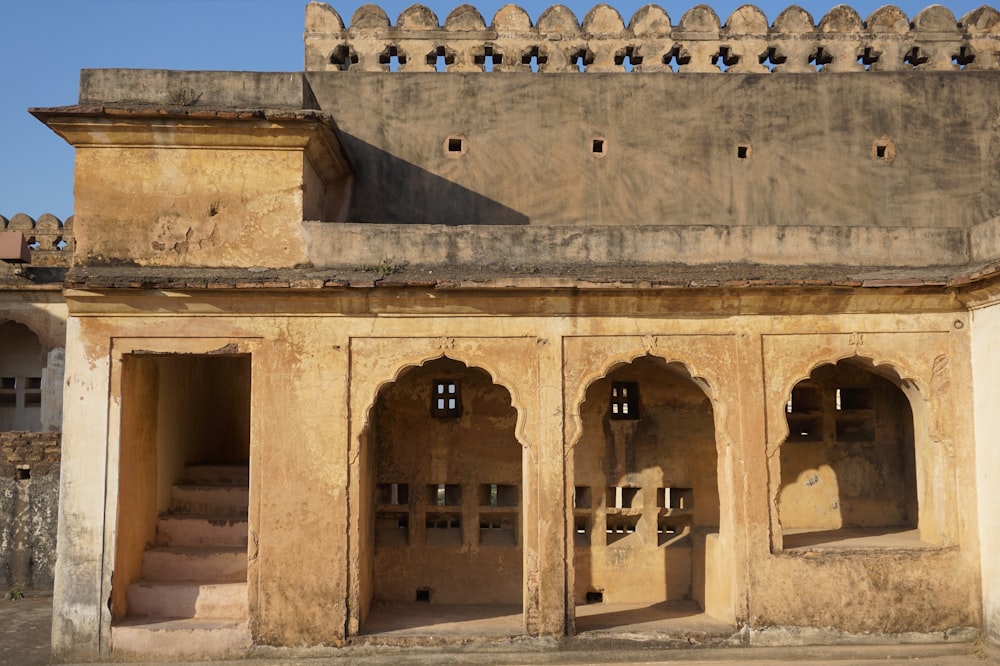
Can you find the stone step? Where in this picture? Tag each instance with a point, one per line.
(204, 499)
(218, 564)
(195, 530)
(194, 639)
(217, 475)
(188, 599)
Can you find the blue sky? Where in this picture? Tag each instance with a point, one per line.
(46, 44)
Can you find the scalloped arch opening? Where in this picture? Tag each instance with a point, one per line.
(848, 465)
(657, 470)
(445, 487)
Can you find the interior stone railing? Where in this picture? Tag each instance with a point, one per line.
(746, 43)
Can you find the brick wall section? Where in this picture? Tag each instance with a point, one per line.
(40, 450)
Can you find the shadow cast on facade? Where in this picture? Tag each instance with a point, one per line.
(418, 196)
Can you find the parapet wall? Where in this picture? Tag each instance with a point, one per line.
(50, 239)
(746, 43)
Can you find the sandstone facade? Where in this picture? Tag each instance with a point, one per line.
(664, 344)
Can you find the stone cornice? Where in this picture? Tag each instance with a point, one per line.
(100, 126)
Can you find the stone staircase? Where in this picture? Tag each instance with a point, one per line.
(191, 601)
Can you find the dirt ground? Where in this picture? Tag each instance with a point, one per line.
(25, 629)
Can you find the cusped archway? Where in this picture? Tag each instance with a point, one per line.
(443, 468)
(848, 465)
(646, 495)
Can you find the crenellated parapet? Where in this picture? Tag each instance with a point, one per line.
(651, 42)
(50, 240)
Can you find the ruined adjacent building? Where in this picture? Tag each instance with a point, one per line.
(555, 327)
(34, 256)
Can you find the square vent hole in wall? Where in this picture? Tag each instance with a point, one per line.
(855, 417)
(32, 391)
(392, 519)
(581, 531)
(673, 532)
(496, 494)
(497, 529)
(804, 413)
(393, 494)
(883, 150)
(455, 146)
(804, 400)
(8, 391)
(850, 399)
(620, 527)
(623, 497)
(676, 500)
(392, 528)
(444, 494)
(857, 428)
(443, 529)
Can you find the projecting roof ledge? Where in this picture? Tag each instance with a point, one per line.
(193, 89)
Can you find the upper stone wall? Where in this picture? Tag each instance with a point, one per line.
(651, 42)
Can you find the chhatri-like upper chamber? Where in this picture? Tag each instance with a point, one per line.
(746, 43)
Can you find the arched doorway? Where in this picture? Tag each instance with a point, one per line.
(443, 483)
(848, 470)
(646, 501)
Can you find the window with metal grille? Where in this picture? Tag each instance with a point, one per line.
(446, 399)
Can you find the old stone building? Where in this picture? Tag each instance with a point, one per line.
(673, 328)
(34, 256)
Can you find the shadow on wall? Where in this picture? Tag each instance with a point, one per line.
(417, 196)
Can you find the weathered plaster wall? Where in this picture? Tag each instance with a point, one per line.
(83, 573)
(985, 370)
(244, 214)
(313, 366)
(357, 244)
(29, 501)
(239, 90)
(668, 162)
(137, 472)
